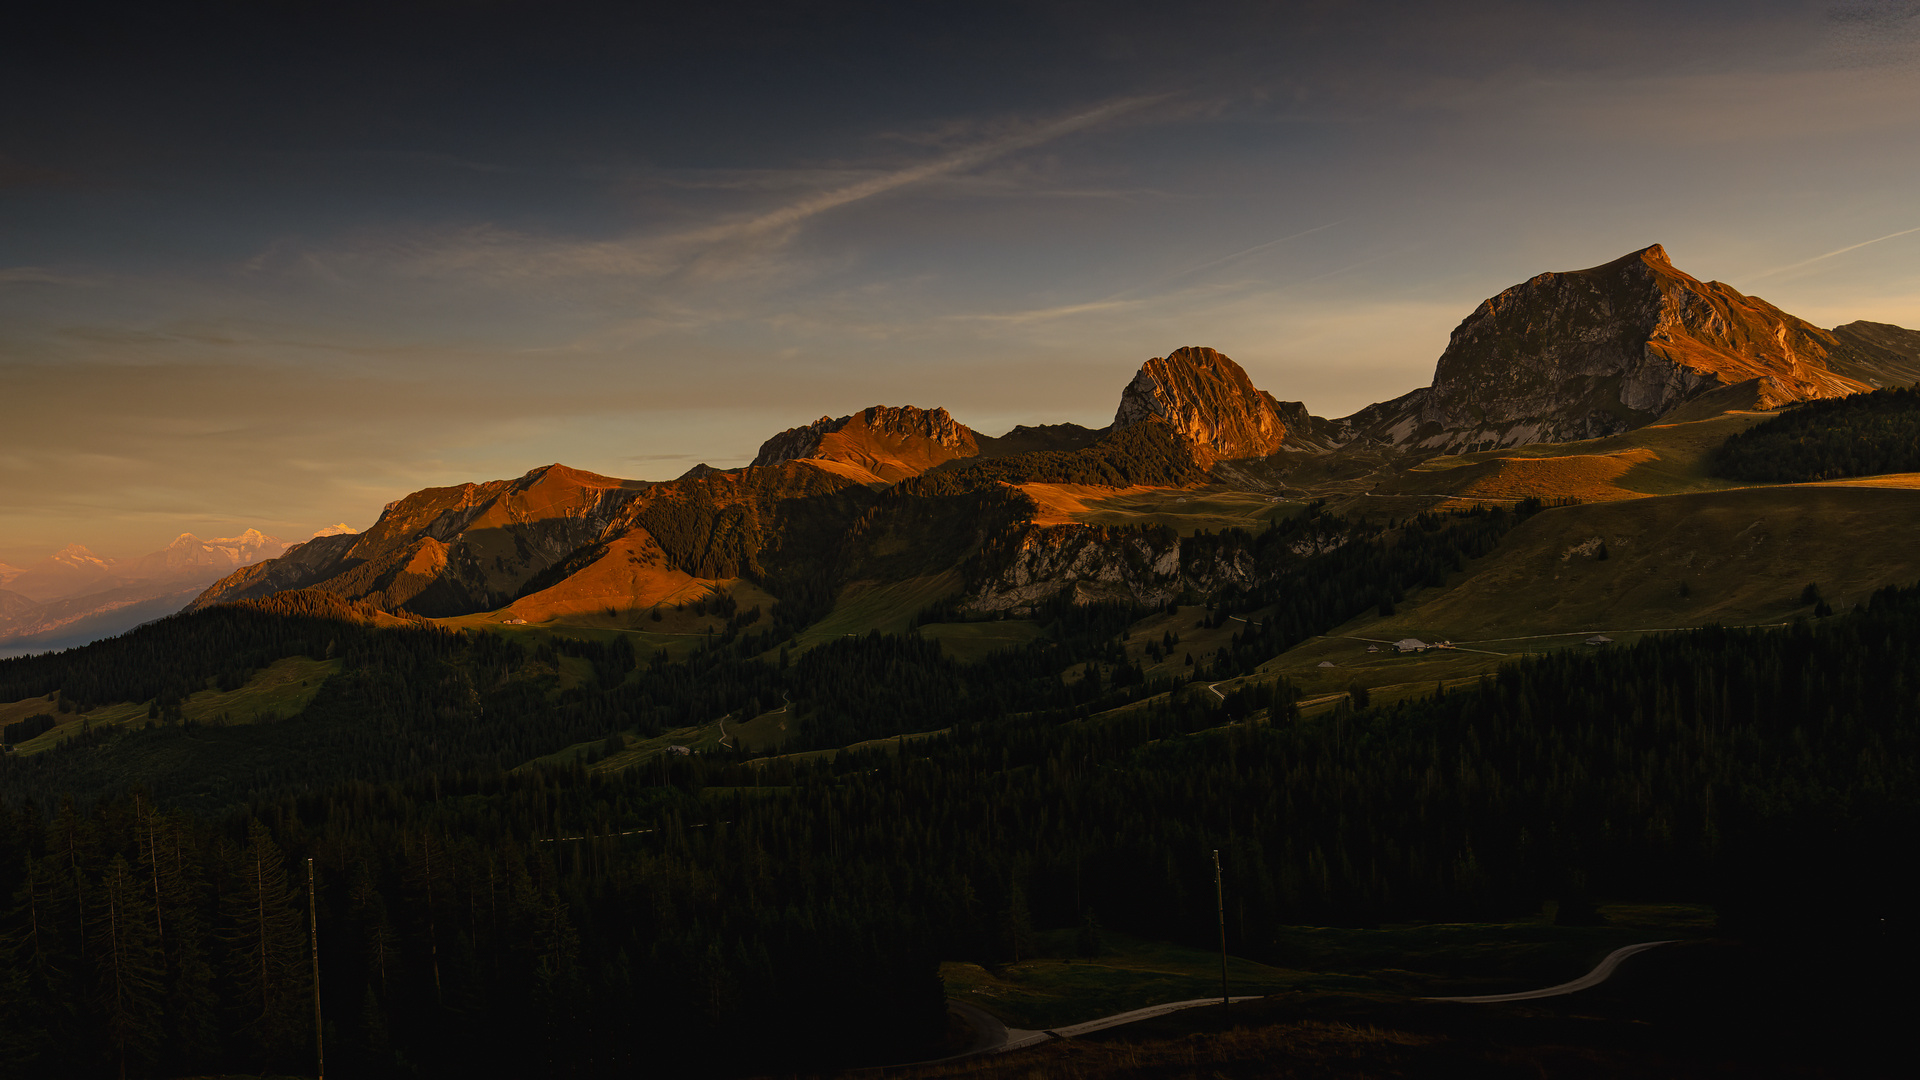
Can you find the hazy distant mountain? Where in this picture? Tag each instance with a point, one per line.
(74, 596)
(72, 569)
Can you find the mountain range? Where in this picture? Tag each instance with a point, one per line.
(74, 596)
(896, 493)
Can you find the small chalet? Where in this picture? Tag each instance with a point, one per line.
(1373, 648)
(1412, 644)
(1599, 639)
(682, 751)
(1325, 663)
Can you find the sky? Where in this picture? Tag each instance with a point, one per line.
(272, 265)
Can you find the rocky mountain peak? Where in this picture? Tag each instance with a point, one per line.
(881, 444)
(1209, 400)
(1586, 353)
(77, 555)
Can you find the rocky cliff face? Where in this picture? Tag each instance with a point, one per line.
(1209, 400)
(1094, 562)
(1592, 352)
(883, 444)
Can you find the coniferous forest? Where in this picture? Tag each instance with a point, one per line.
(1859, 435)
(480, 912)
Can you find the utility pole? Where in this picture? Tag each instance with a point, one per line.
(1220, 897)
(313, 932)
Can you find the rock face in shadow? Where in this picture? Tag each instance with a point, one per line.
(886, 443)
(1593, 352)
(1209, 400)
(1882, 354)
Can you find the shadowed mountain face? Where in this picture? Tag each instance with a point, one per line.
(1880, 353)
(1578, 355)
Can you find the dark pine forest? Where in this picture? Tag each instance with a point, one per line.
(480, 914)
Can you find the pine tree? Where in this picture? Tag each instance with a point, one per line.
(127, 965)
(265, 939)
(169, 862)
(36, 982)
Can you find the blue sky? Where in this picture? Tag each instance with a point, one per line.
(273, 266)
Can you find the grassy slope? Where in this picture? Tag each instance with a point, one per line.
(1186, 511)
(888, 608)
(1744, 556)
(1661, 459)
(679, 631)
(277, 691)
(972, 642)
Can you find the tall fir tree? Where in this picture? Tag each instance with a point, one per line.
(264, 955)
(128, 968)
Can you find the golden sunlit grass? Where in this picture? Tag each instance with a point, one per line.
(1186, 511)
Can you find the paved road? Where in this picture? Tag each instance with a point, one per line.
(1592, 978)
(1018, 1039)
(990, 1036)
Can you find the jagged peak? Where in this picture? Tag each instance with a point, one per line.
(1208, 399)
(935, 425)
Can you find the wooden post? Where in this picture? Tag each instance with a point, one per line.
(313, 932)
(1220, 898)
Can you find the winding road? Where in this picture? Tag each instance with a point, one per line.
(1598, 975)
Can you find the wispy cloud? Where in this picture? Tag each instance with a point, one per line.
(39, 275)
(1043, 314)
(721, 249)
(1144, 292)
(1836, 251)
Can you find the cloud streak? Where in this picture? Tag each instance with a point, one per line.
(1130, 297)
(724, 249)
(1836, 251)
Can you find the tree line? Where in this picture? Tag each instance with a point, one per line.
(1857, 435)
(572, 922)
